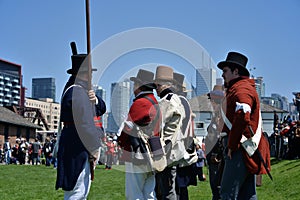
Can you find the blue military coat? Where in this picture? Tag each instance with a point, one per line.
(79, 137)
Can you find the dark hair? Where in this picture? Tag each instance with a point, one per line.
(146, 88)
(241, 72)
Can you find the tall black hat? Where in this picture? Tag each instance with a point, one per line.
(237, 60)
(79, 61)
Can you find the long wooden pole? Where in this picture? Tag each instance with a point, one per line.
(88, 36)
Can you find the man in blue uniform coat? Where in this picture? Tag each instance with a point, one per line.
(80, 139)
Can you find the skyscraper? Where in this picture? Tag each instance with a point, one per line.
(11, 90)
(43, 88)
(260, 86)
(205, 80)
(119, 104)
(99, 91)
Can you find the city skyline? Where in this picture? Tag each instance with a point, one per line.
(102, 92)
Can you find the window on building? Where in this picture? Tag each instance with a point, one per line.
(199, 125)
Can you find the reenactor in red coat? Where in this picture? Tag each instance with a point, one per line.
(242, 120)
(143, 118)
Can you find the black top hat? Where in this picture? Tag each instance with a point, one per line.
(145, 78)
(237, 60)
(79, 64)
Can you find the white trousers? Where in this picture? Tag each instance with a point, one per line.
(140, 182)
(82, 187)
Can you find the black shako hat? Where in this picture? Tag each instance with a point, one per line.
(144, 78)
(79, 64)
(237, 60)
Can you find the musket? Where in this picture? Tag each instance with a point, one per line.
(88, 39)
(88, 47)
(260, 156)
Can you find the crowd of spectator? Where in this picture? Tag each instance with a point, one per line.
(110, 152)
(285, 140)
(37, 152)
(284, 144)
(28, 152)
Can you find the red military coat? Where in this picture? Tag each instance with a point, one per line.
(242, 90)
(141, 113)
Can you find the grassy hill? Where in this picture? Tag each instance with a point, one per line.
(37, 182)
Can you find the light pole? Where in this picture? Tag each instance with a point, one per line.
(250, 70)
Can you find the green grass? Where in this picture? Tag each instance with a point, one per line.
(37, 182)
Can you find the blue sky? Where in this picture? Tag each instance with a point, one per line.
(36, 34)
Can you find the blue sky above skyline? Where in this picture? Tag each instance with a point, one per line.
(37, 34)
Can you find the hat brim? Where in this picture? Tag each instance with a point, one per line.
(222, 64)
(164, 80)
(134, 79)
(149, 85)
(71, 71)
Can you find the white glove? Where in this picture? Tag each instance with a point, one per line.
(92, 97)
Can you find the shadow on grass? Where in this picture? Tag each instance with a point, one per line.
(274, 161)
